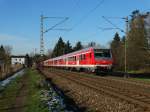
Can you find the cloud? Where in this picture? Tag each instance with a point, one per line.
(5, 37)
(21, 45)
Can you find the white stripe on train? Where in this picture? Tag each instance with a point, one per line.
(82, 66)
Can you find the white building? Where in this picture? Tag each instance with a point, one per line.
(18, 60)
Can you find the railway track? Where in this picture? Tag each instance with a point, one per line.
(125, 81)
(131, 81)
(119, 90)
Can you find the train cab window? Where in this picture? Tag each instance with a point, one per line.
(102, 54)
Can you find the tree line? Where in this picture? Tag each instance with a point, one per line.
(136, 45)
(5, 53)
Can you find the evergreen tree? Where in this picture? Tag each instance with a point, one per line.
(123, 39)
(78, 46)
(116, 47)
(59, 48)
(135, 14)
(2, 52)
(68, 47)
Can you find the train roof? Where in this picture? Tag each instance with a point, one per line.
(76, 52)
(73, 53)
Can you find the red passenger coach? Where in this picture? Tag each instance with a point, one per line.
(90, 59)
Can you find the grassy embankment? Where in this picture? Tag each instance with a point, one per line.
(23, 92)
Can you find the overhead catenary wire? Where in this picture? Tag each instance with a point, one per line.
(107, 28)
(51, 28)
(115, 26)
(115, 17)
(54, 17)
(62, 29)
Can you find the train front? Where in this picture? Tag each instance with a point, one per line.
(103, 59)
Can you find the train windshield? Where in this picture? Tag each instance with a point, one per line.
(98, 53)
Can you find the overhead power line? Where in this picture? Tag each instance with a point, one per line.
(51, 28)
(53, 17)
(62, 29)
(115, 17)
(115, 26)
(106, 28)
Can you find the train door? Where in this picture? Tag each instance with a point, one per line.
(67, 61)
(77, 59)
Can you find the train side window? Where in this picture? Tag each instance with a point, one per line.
(80, 57)
(83, 56)
(75, 58)
(71, 58)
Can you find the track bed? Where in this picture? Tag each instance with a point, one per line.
(102, 93)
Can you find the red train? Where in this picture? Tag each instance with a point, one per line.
(90, 59)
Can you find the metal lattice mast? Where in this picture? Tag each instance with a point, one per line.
(41, 38)
(63, 19)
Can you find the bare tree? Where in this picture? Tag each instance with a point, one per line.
(8, 50)
(93, 44)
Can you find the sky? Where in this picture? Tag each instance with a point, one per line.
(20, 21)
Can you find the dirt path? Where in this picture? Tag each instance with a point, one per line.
(23, 94)
(19, 103)
(13, 98)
